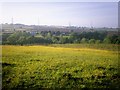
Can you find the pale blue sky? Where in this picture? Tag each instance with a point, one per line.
(97, 14)
(59, 0)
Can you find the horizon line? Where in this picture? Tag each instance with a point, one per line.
(60, 25)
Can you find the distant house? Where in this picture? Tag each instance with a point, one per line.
(33, 33)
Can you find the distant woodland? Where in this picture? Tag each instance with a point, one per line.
(52, 37)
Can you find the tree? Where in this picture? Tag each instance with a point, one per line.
(76, 41)
(72, 37)
(97, 41)
(63, 39)
(118, 40)
(92, 41)
(21, 40)
(30, 40)
(17, 37)
(107, 40)
(115, 39)
(48, 36)
(5, 36)
(83, 40)
(55, 39)
(12, 39)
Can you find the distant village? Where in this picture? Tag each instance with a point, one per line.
(34, 29)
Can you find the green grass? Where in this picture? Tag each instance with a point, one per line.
(59, 67)
(111, 47)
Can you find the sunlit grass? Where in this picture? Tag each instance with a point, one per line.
(58, 67)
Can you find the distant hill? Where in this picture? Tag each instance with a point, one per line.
(9, 28)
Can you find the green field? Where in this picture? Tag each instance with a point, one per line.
(59, 66)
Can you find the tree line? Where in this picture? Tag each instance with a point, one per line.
(52, 37)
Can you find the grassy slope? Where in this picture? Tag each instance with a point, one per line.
(58, 67)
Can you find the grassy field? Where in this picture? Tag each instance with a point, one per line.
(59, 66)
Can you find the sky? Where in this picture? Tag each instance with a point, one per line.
(96, 14)
(59, 0)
